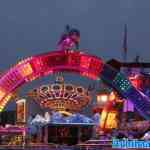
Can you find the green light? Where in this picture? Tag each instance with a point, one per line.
(122, 83)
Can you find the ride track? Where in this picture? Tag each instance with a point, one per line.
(71, 61)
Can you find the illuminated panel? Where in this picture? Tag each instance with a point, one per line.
(56, 60)
(37, 64)
(68, 61)
(26, 70)
(96, 65)
(111, 120)
(85, 62)
(121, 83)
(103, 118)
(108, 119)
(90, 75)
(21, 111)
(10, 79)
(74, 59)
(2, 93)
(39, 68)
(93, 65)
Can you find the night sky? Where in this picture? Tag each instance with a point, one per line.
(34, 26)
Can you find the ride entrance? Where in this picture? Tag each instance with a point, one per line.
(71, 61)
(66, 59)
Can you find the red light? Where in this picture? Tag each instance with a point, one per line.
(136, 81)
(85, 62)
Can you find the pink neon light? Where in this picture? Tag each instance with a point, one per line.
(12, 130)
(44, 64)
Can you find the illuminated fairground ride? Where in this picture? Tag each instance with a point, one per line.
(67, 58)
(61, 96)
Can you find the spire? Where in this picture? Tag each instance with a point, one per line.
(125, 43)
(67, 28)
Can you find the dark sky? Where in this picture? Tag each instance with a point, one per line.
(30, 27)
(34, 26)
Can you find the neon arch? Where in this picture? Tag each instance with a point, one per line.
(71, 61)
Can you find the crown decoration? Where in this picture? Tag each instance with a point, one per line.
(61, 96)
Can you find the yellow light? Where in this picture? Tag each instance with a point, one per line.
(21, 101)
(65, 113)
(8, 96)
(108, 119)
(1, 109)
(112, 96)
(21, 110)
(103, 118)
(102, 98)
(5, 101)
(26, 70)
(2, 93)
(111, 120)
